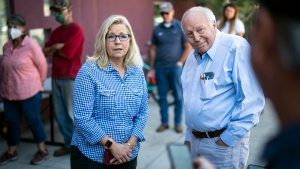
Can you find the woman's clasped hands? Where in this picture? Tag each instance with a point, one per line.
(121, 153)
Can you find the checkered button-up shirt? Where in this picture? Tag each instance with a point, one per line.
(24, 70)
(106, 104)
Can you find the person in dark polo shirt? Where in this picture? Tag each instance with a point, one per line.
(168, 52)
(65, 45)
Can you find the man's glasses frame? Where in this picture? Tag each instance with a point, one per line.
(113, 37)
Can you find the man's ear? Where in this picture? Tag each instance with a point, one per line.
(215, 25)
(172, 12)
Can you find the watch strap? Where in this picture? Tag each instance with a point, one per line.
(105, 145)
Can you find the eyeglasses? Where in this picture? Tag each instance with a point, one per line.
(199, 31)
(113, 37)
(164, 13)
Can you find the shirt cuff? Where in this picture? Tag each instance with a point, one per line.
(140, 137)
(229, 139)
(188, 135)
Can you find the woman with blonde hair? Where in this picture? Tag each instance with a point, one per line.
(110, 101)
(229, 21)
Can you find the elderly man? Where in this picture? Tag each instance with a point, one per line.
(168, 53)
(222, 98)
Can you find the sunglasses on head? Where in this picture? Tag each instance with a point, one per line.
(164, 13)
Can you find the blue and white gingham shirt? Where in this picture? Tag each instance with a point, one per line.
(106, 104)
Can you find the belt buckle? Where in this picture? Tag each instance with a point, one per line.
(207, 134)
(195, 133)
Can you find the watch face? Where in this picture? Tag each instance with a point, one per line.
(108, 143)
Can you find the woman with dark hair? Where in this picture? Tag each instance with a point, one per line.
(229, 21)
(24, 72)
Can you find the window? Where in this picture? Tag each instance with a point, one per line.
(3, 27)
(40, 35)
(157, 17)
(47, 4)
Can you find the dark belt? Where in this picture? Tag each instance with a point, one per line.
(210, 134)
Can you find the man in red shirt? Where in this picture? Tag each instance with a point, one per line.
(65, 45)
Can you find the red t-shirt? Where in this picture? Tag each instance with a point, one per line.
(73, 38)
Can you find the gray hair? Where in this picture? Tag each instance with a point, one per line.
(100, 53)
(208, 13)
(288, 40)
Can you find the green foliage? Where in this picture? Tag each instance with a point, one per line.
(246, 9)
(3, 27)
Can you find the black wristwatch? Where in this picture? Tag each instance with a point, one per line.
(108, 143)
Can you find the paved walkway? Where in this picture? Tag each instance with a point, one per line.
(153, 154)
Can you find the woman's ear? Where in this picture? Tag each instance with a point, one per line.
(23, 29)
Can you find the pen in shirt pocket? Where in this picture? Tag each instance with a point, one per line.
(207, 76)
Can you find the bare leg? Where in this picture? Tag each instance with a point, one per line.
(12, 149)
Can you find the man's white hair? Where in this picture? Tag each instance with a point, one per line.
(208, 13)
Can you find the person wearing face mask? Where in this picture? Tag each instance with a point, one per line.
(24, 72)
(65, 45)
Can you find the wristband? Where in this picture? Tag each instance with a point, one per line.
(179, 63)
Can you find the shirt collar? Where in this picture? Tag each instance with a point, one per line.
(110, 68)
(172, 23)
(212, 50)
(24, 42)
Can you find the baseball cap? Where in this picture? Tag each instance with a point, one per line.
(165, 7)
(60, 4)
(280, 8)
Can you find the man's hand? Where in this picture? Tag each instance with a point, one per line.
(221, 143)
(49, 51)
(58, 46)
(202, 163)
(150, 73)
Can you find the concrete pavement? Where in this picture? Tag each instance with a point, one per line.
(153, 153)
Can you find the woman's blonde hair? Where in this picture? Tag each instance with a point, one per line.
(100, 54)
